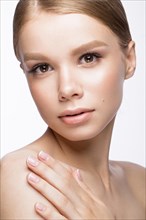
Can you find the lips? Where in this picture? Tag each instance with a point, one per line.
(77, 116)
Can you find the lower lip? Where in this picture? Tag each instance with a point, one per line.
(77, 119)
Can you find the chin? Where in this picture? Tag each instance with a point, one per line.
(83, 132)
(80, 134)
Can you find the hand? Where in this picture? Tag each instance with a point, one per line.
(62, 185)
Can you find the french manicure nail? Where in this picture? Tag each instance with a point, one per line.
(43, 155)
(40, 207)
(79, 175)
(33, 178)
(32, 161)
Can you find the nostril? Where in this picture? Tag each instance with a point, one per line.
(69, 92)
(62, 98)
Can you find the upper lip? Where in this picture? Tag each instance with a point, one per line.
(72, 112)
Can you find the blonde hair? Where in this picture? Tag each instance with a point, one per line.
(109, 12)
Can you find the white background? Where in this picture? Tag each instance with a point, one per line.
(20, 120)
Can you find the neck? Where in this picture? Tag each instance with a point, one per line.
(88, 155)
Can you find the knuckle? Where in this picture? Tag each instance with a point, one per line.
(42, 187)
(65, 184)
(70, 169)
(67, 175)
(85, 211)
(43, 168)
(64, 202)
(47, 214)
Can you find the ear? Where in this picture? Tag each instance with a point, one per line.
(130, 60)
(21, 66)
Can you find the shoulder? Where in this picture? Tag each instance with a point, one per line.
(135, 176)
(18, 198)
(15, 161)
(134, 172)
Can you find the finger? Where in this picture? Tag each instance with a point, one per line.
(64, 181)
(63, 168)
(48, 212)
(89, 194)
(59, 166)
(67, 185)
(55, 164)
(60, 201)
(43, 170)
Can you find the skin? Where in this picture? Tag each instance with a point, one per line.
(74, 177)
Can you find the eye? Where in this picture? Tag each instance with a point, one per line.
(41, 68)
(89, 58)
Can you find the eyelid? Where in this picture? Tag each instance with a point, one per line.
(92, 53)
(34, 68)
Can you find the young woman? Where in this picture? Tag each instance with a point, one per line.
(76, 55)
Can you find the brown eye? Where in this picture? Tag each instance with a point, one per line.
(89, 58)
(41, 68)
(44, 68)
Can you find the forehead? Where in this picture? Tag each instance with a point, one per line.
(63, 31)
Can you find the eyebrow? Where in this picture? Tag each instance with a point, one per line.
(89, 46)
(34, 56)
(80, 49)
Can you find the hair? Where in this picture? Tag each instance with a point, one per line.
(110, 12)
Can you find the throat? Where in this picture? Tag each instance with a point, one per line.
(83, 156)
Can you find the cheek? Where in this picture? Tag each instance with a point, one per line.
(43, 94)
(113, 85)
(111, 91)
(107, 84)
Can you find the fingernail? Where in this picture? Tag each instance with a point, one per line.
(40, 207)
(43, 155)
(33, 178)
(79, 175)
(32, 161)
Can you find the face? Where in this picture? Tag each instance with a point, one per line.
(75, 71)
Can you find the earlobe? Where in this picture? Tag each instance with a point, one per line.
(130, 60)
(21, 66)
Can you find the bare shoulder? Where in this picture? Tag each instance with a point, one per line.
(135, 176)
(17, 197)
(135, 173)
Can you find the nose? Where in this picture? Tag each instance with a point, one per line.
(69, 87)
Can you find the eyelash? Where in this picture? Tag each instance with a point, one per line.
(94, 55)
(34, 69)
